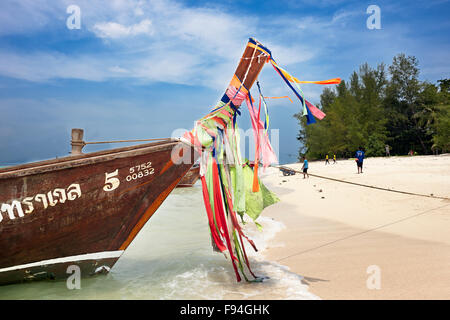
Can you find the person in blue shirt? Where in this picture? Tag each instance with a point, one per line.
(359, 159)
(305, 167)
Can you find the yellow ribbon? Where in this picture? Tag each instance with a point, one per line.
(294, 79)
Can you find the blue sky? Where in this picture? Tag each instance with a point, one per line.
(141, 69)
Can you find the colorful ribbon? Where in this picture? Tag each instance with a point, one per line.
(216, 137)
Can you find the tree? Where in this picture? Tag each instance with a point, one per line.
(355, 117)
(371, 111)
(441, 112)
(441, 139)
(402, 106)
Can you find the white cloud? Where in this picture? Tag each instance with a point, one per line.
(43, 66)
(164, 40)
(27, 16)
(116, 30)
(176, 44)
(118, 69)
(342, 16)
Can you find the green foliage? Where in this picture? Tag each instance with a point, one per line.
(373, 111)
(376, 146)
(441, 138)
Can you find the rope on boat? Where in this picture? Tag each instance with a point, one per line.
(364, 185)
(135, 140)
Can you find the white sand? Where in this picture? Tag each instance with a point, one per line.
(336, 231)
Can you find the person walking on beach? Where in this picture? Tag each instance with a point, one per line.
(387, 148)
(334, 158)
(326, 160)
(305, 167)
(359, 159)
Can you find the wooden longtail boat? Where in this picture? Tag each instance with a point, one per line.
(190, 178)
(86, 209)
(82, 210)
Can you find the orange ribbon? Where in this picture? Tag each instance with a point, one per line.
(279, 98)
(294, 79)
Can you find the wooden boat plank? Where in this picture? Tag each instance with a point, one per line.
(90, 158)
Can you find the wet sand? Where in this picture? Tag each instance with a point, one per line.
(352, 242)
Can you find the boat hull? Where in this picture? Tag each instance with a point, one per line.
(190, 178)
(61, 268)
(82, 210)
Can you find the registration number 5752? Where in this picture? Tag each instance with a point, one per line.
(141, 170)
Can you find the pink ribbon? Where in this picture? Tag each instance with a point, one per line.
(315, 111)
(235, 98)
(261, 138)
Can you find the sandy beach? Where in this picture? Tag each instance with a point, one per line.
(352, 242)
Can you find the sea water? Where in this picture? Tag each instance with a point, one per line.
(172, 258)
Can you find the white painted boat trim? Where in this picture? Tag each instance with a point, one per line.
(81, 257)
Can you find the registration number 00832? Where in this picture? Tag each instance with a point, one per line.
(140, 171)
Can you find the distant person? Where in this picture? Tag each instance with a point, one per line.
(359, 159)
(334, 158)
(387, 148)
(305, 168)
(326, 160)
